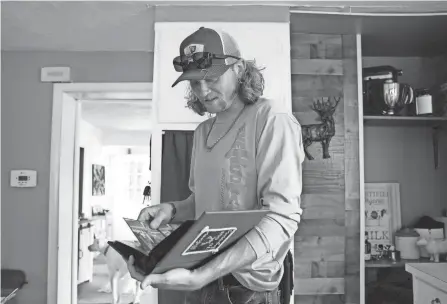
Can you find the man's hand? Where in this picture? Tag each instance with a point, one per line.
(156, 215)
(175, 279)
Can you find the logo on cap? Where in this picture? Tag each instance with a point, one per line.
(193, 48)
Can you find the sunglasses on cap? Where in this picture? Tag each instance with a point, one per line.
(199, 60)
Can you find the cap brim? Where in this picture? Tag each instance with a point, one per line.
(213, 72)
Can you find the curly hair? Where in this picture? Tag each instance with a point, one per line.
(251, 87)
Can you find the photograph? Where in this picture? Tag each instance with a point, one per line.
(209, 240)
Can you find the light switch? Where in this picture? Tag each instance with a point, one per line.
(23, 178)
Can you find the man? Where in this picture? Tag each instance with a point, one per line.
(248, 156)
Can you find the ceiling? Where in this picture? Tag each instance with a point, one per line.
(129, 26)
(122, 115)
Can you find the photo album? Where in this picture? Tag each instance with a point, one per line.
(187, 245)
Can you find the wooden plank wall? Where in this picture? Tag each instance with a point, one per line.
(323, 268)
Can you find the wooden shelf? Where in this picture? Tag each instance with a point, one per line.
(386, 263)
(416, 121)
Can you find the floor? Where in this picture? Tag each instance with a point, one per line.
(88, 292)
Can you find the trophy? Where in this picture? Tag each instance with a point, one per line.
(391, 94)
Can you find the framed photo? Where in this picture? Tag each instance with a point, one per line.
(382, 214)
(98, 180)
(209, 240)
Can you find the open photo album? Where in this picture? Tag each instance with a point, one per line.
(187, 245)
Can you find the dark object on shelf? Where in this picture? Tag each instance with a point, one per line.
(426, 222)
(374, 81)
(322, 132)
(382, 72)
(12, 281)
(439, 93)
(367, 248)
(394, 255)
(100, 213)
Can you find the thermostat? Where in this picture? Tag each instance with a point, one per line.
(23, 178)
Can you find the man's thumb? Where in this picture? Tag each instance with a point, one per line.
(155, 223)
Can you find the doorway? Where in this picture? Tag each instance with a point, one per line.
(65, 173)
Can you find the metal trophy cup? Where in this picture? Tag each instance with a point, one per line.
(391, 92)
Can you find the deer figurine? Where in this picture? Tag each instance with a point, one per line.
(323, 131)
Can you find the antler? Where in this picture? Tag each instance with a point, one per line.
(337, 100)
(325, 105)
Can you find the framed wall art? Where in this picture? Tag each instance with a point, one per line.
(382, 214)
(98, 180)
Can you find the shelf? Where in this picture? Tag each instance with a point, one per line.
(386, 263)
(436, 123)
(416, 121)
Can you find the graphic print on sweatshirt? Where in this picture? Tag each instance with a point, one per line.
(233, 179)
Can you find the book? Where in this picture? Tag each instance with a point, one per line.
(188, 245)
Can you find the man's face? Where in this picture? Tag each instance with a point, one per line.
(216, 95)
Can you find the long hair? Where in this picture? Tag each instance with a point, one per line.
(251, 87)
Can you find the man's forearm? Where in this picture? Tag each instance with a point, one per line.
(185, 209)
(234, 258)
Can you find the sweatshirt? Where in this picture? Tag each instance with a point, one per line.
(256, 165)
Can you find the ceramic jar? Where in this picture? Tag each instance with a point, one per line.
(405, 240)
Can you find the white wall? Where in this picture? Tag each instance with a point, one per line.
(126, 138)
(120, 206)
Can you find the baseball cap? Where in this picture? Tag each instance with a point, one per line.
(213, 41)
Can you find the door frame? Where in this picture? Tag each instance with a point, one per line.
(358, 39)
(62, 262)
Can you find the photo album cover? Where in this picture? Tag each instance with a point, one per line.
(186, 245)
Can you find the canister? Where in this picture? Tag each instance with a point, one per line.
(405, 240)
(424, 103)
